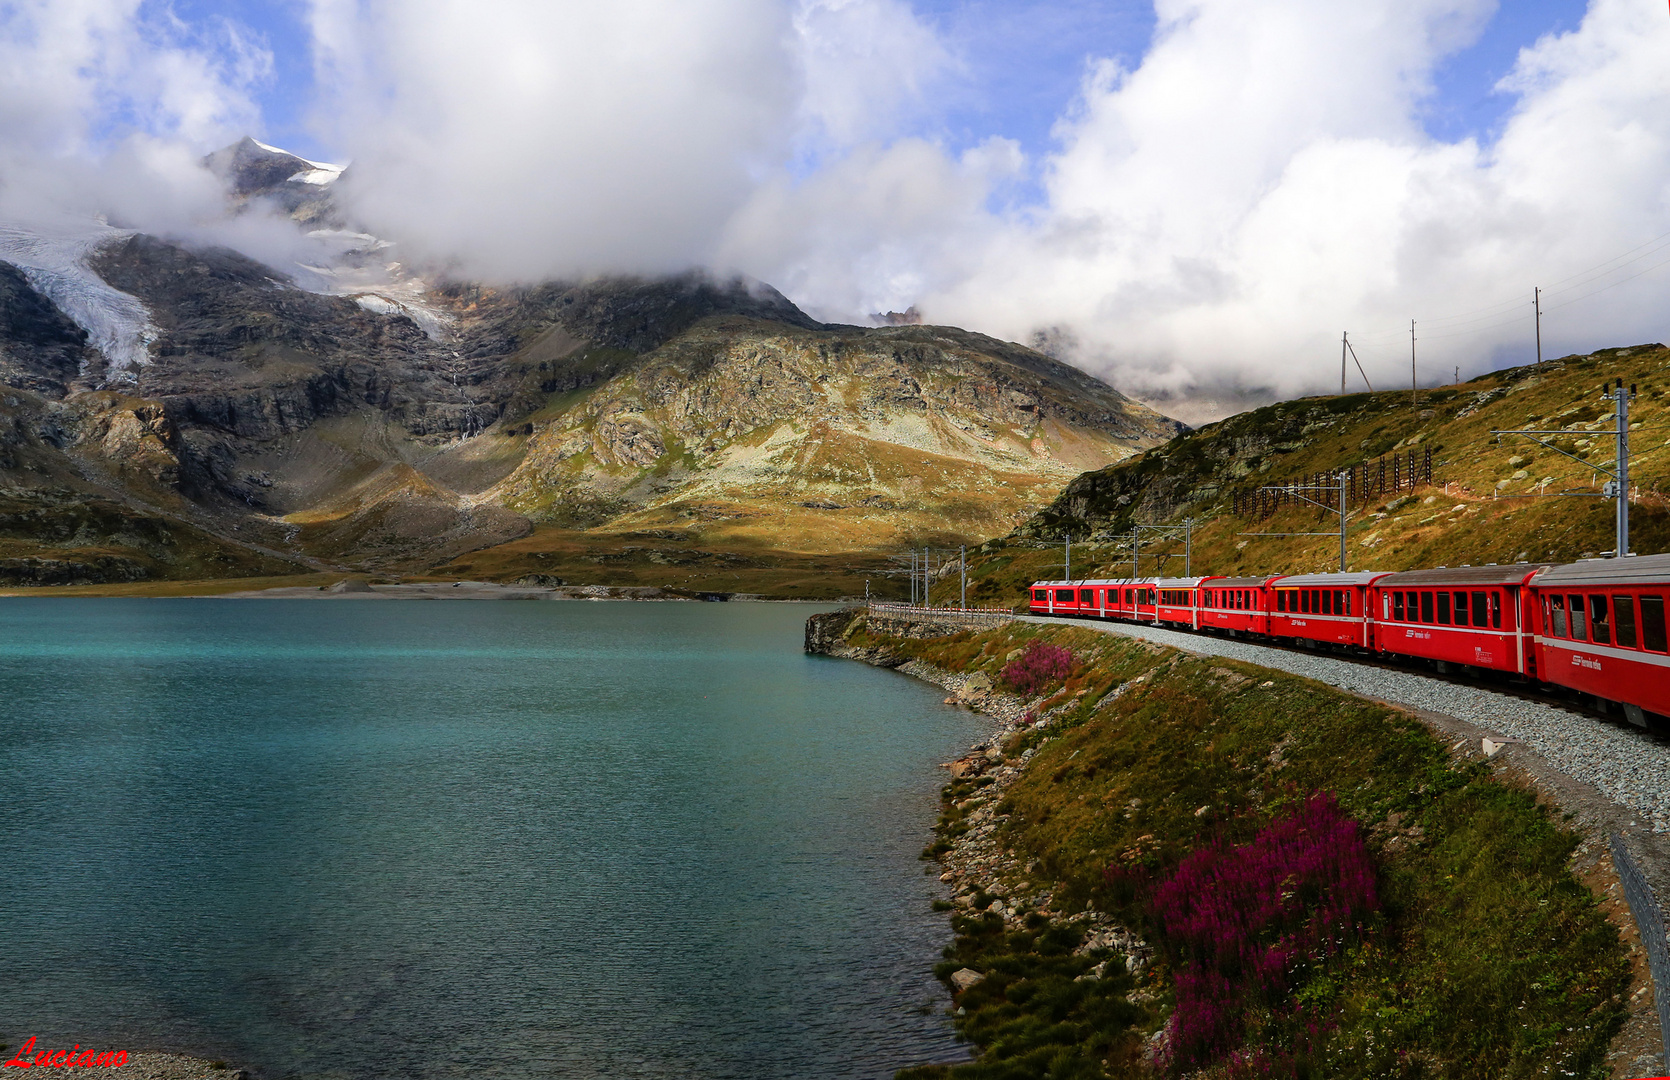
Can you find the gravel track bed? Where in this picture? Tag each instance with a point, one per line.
(1625, 764)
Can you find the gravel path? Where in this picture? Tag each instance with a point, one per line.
(1625, 764)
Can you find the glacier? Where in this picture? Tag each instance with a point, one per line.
(54, 257)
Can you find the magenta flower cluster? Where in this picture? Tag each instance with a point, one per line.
(1037, 667)
(1247, 921)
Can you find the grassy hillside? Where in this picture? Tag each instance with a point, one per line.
(1484, 957)
(1475, 511)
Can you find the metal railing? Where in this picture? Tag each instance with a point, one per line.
(907, 611)
(1649, 920)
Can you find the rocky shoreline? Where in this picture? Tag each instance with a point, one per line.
(147, 1065)
(979, 870)
(984, 873)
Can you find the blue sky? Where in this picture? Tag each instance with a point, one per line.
(1023, 64)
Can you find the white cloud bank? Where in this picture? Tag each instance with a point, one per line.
(1261, 182)
(1212, 219)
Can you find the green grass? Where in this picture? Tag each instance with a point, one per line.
(1491, 960)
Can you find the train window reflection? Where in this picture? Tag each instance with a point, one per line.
(1426, 607)
(1444, 608)
(1480, 610)
(1599, 624)
(1397, 606)
(1623, 620)
(1652, 623)
(1579, 624)
(1557, 615)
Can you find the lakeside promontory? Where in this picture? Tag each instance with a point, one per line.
(1186, 862)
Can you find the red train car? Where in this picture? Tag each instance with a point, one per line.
(1101, 598)
(1236, 604)
(1176, 601)
(1330, 608)
(1601, 630)
(1468, 615)
(1055, 598)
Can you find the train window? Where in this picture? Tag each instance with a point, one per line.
(1040, 594)
(1426, 607)
(1127, 596)
(1281, 599)
(1397, 606)
(1495, 610)
(1557, 616)
(1086, 596)
(1346, 596)
(1444, 608)
(1623, 620)
(1461, 609)
(1480, 610)
(1579, 623)
(1652, 623)
(1064, 596)
(1599, 624)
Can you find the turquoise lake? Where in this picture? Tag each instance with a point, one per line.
(364, 838)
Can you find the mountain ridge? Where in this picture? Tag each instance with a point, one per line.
(290, 413)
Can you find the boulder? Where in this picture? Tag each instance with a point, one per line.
(963, 978)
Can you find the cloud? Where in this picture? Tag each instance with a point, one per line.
(107, 108)
(1215, 217)
(525, 139)
(1207, 223)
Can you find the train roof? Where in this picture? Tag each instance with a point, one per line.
(1094, 581)
(1179, 582)
(1238, 582)
(1504, 574)
(1631, 570)
(1361, 577)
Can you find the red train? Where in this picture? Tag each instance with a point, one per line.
(1596, 626)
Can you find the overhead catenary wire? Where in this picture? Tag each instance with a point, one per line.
(1564, 292)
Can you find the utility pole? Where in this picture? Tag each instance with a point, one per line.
(1618, 486)
(1343, 344)
(1136, 539)
(1067, 557)
(1622, 483)
(1342, 523)
(913, 578)
(1413, 384)
(927, 600)
(1188, 544)
(962, 560)
(1536, 305)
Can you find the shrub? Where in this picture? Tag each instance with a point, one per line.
(1246, 922)
(1038, 666)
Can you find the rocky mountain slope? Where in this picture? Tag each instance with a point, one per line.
(1486, 500)
(350, 413)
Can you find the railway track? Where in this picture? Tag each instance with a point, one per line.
(1627, 764)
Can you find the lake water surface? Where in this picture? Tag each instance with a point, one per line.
(408, 839)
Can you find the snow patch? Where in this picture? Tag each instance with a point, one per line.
(315, 176)
(433, 323)
(54, 257)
